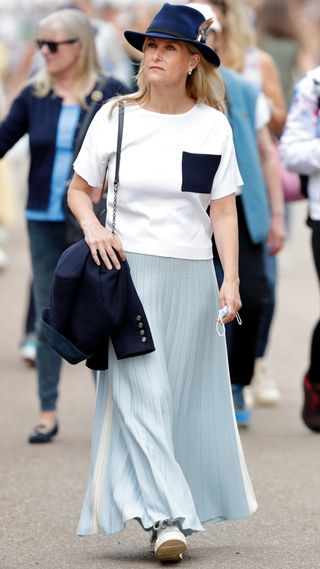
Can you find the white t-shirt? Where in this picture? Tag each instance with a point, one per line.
(171, 167)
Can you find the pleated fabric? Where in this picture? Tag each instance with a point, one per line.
(165, 439)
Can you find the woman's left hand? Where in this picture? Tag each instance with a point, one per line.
(229, 296)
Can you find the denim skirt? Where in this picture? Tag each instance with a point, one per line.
(165, 440)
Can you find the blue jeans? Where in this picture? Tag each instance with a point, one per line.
(29, 327)
(47, 242)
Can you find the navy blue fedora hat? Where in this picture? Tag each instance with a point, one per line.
(178, 23)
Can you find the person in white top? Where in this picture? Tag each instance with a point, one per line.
(300, 149)
(166, 449)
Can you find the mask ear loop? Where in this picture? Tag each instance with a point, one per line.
(238, 318)
(220, 327)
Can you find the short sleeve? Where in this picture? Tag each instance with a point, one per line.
(93, 156)
(227, 179)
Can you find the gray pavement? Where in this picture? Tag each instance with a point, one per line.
(41, 488)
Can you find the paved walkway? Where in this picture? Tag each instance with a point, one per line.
(41, 488)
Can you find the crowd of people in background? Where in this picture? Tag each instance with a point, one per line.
(266, 47)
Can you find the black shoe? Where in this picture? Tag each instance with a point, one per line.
(311, 405)
(41, 434)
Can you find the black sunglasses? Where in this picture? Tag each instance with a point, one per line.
(53, 45)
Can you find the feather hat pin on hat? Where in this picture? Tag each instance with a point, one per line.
(177, 23)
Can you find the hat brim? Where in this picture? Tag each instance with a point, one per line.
(137, 39)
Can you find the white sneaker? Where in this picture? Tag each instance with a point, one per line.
(28, 350)
(248, 397)
(167, 541)
(263, 387)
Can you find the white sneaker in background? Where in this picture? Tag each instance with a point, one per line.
(167, 541)
(263, 387)
(4, 259)
(248, 397)
(28, 350)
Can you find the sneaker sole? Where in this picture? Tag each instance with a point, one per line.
(170, 550)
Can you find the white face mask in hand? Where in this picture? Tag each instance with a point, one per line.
(220, 327)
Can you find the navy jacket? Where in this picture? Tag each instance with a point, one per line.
(39, 118)
(89, 304)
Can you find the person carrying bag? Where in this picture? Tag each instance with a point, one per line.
(177, 160)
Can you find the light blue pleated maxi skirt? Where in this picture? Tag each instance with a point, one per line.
(165, 439)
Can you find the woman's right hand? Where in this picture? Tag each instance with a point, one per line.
(104, 243)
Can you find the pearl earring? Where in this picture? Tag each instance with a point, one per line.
(190, 71)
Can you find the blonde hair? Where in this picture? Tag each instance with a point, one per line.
(205, 85)
(236, 35)
(74, 24)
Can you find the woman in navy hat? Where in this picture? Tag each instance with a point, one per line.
(166, 450)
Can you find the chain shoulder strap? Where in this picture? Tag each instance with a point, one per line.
(118, 156)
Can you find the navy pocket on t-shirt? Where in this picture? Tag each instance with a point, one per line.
(198, 172)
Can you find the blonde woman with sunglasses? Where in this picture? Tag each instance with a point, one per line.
(50, 109)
